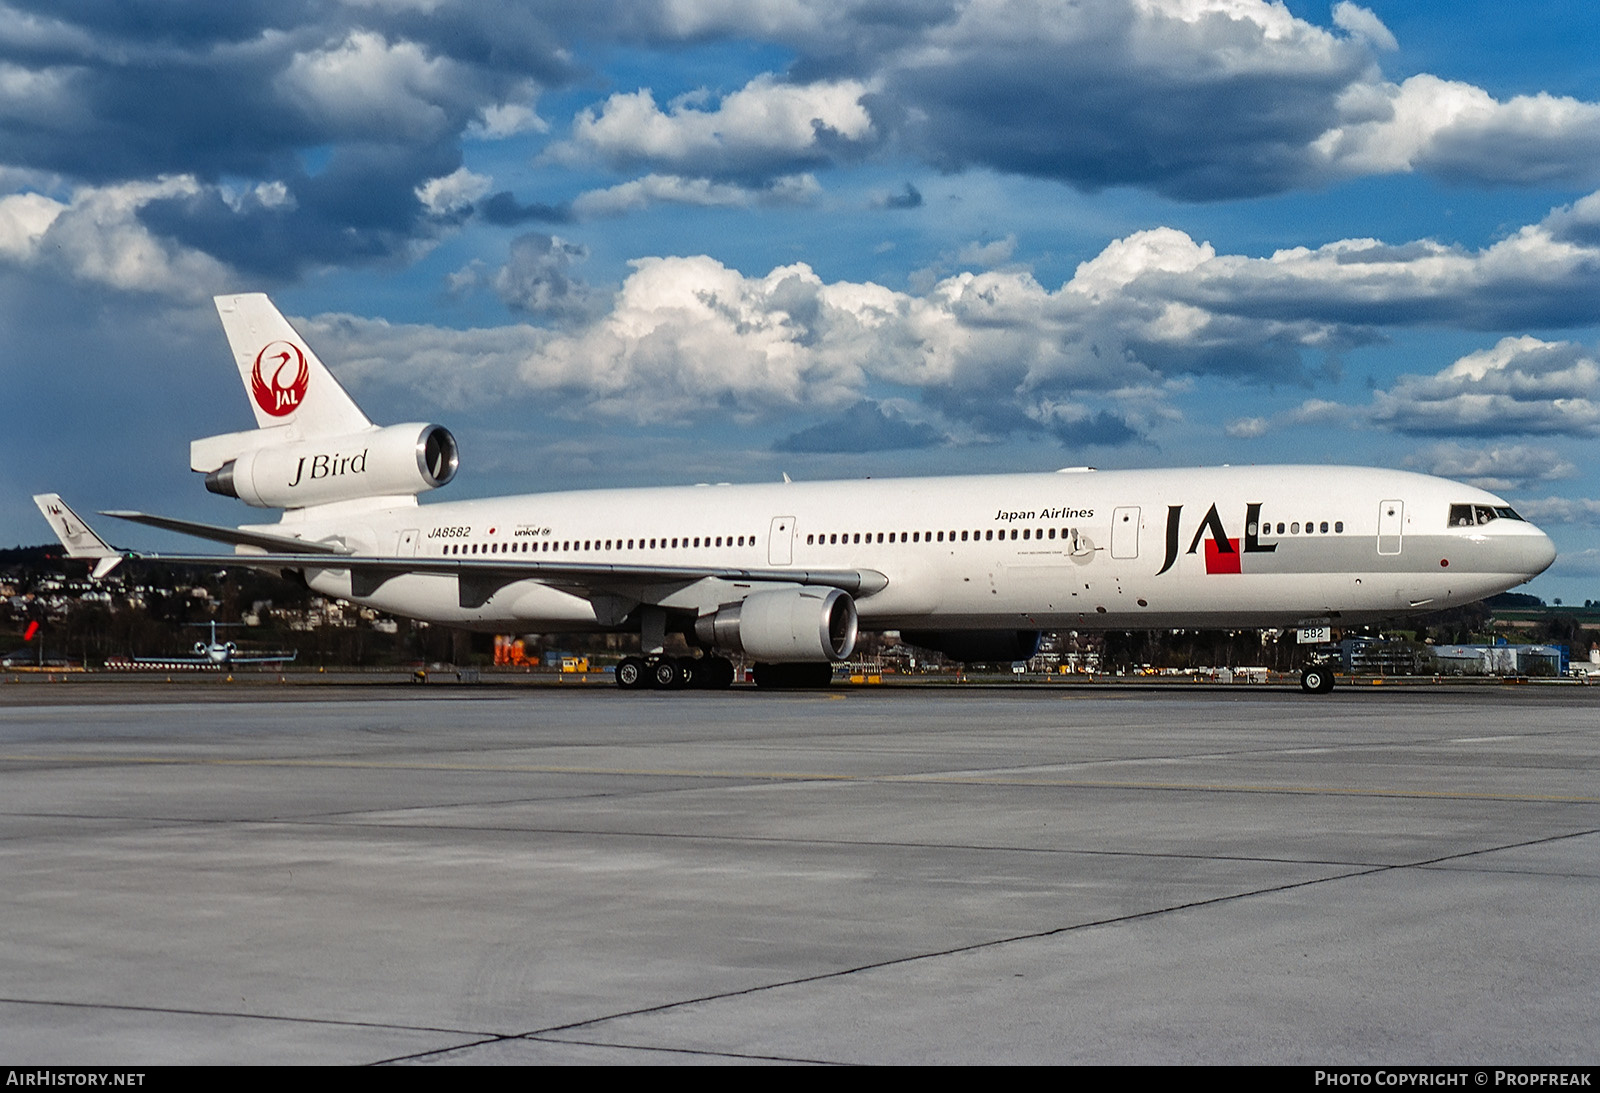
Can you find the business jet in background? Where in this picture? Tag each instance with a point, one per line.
(788, 573)
(215, 653)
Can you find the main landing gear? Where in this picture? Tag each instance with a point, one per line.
(675, 673)
(710, 672)
(1316, 679)
(714, 673)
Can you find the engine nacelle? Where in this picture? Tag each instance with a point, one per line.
(977, 646)
(785, 625)
(400, 460)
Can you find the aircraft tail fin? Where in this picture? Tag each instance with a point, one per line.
(287, 384)
(76, 535)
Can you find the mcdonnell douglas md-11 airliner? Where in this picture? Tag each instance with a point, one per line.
(787, 573)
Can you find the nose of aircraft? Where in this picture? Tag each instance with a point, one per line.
(1537, 553)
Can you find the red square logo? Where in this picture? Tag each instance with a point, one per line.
(1219, 562)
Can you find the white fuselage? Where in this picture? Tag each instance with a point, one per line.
(1209, 547)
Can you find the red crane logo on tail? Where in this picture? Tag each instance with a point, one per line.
(278, 380)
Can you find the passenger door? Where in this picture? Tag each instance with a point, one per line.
(1125, 532)
(1391, 523)
(780, 541)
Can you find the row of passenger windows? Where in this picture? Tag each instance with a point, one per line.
(982, 535)
(1312, 527)
(571, 546)
(1460, 516)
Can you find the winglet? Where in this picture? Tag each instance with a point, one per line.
(76, 535)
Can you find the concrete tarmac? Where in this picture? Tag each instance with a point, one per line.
(1178, 874)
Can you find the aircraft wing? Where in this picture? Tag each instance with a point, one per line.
(480, 578)
(209, 662)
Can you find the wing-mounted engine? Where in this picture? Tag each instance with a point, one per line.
(397, 461)
(977, 646)
(785, 625)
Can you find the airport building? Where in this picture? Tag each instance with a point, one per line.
(1374, 656)
(1502, 660)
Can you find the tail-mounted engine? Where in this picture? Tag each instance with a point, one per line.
(785, 625)
(400, 460)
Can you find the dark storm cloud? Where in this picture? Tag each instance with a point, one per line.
(507, 37)
(1001, 413)
(1103, 119)
(504, 210)
(909, 198)
(342, 111)
(1196, 101)
(144, 119)
(180, 23)
(1545, 275)
(537, 277)
(864, 427)
(363, 207)
(1197, 104)
(213, 89)
(1104, 429)
(1235, 349)
(989, 403)
(1577, 223)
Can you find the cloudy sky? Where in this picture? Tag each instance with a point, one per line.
(633, 242)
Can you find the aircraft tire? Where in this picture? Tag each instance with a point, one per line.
(1316, 680)
(816, 675)
(664, 673)
(630, 674)
(716, 673)
(689, 672)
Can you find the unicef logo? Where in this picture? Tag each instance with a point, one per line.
(278, 380)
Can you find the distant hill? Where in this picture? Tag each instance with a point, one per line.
(30, 555)
(1514, 599)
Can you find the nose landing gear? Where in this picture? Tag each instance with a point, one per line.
(1316, 679)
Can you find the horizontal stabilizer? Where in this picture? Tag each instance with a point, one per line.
(235, 536)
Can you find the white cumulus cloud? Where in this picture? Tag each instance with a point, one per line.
(1493, 466)
(1363, 23)
(23, 220)
(995, 351)
(1520, 385)
(96, 237)
(454, 192)
(766, 127)
(1561, 510)
(1461, 132)
(656, 189)
(368, 86)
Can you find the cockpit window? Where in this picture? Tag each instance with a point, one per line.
(1466, 516)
